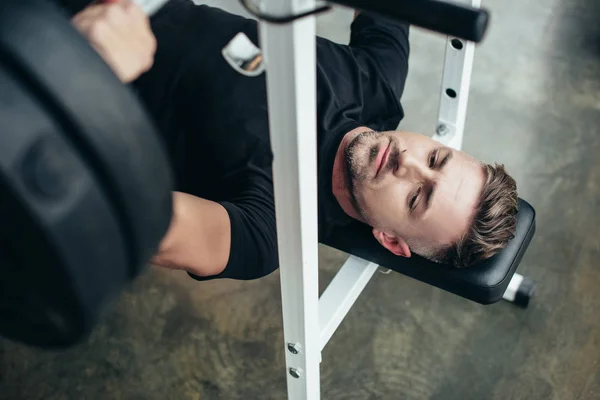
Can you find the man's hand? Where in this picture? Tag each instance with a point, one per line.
(120, 32)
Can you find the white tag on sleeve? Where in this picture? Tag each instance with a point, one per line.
(244, 56)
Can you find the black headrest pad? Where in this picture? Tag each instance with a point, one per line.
(484, 282)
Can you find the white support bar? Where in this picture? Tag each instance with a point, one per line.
(150, 7)
(290, 56)
(341, 294)
(456, 79)
(513, 287)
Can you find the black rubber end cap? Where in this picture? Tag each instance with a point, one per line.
(525, 292)
(481, 25)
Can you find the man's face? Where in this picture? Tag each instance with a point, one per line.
(412, 189)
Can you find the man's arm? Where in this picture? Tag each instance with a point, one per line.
(199, 237)
(385, 42)
(228, 239)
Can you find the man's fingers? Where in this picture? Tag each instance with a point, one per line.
(116, 16)
(127, 22)
(88, 13)
(120, 32)
(137, 9)
(145, 36)
(123, 16)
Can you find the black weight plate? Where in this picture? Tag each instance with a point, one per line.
(102, 117)
(62, 255)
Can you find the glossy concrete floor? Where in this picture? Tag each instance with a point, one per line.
(534, 106)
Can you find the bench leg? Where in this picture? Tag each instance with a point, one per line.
(290, 57)
(342, 292)
(520, 290)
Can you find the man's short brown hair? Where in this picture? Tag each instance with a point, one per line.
(494, 223)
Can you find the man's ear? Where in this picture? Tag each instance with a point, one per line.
(395, 244)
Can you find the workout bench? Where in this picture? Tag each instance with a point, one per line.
(309, 322)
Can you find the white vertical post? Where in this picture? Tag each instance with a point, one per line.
(456, 80)
(290, 56)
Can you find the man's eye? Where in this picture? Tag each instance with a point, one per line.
(414, 198)
(432, 159)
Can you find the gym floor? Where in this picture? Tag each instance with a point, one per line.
(534, 106)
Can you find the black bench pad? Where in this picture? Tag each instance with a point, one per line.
(483, 283)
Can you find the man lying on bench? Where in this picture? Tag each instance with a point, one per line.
(417, 195)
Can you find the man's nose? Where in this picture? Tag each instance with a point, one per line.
(412, 168)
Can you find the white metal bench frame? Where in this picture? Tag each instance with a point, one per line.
(290, 54)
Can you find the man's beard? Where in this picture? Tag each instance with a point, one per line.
(356, 171)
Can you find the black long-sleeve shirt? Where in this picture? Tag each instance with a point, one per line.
(215, 124)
